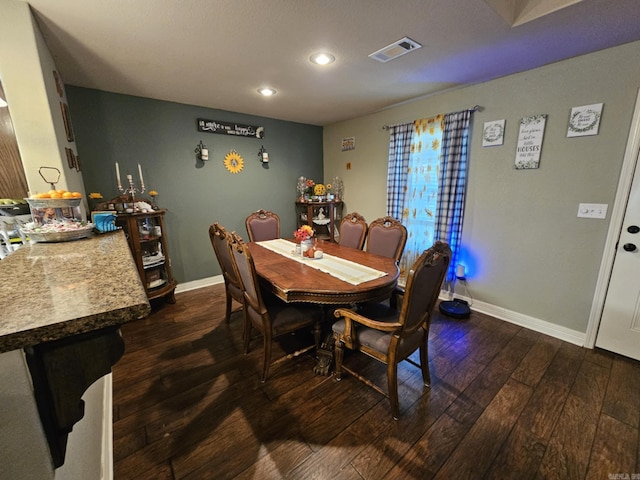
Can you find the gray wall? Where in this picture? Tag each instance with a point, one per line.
(525, 248)
(162, 137)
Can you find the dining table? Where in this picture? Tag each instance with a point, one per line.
(343, 276)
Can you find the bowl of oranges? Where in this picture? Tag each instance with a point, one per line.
(55, 199)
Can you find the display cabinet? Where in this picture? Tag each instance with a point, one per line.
(323, 217)
(147, 239)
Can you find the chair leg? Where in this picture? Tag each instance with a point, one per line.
(227, 317)
(392, 385)
(246, 332)
(337, 352)
(424, 361)
(266, 356)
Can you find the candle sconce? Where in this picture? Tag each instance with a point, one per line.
(263, 156)
(202, 152)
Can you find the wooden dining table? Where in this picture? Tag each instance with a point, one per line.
(295, 281)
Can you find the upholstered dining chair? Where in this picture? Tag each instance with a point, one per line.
(263, 225)
(220, 239)
(266, 313)
(353, 231)
(387, 237)
(389, 335)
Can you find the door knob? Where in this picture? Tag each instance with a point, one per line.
(633, 229)
(629, 247)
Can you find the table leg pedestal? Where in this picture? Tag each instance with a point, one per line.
(324, 356)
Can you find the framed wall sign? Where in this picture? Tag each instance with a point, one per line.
(584, 120)
(229, 128)
(530, 142)
(493, 133)
(348, 143)
(66, 118)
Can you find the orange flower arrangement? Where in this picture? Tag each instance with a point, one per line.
(310, 185)
(305, 232)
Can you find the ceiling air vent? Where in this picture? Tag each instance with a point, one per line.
(395, 50)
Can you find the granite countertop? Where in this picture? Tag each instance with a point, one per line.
(50, 291)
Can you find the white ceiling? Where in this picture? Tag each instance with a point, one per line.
(217, 53)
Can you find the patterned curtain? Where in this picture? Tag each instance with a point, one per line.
(399, 150)
(421, 197)
(453, 183)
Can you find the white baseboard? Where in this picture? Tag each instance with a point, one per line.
(203, 282)
(535, 324)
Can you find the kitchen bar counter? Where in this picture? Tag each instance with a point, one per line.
(50, 291)
(62, 304)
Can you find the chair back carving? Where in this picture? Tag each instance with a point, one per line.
(353, 231)
(220, 239)
(263, 225)
(387, 237)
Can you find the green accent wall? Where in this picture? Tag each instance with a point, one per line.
(162, 137)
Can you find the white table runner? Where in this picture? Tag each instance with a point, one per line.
(345, 270)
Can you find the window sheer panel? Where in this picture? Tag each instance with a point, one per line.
(421, 197)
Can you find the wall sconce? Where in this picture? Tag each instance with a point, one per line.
(202, 152)
(263, 156)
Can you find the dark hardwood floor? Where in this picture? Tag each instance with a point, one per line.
(505, 402)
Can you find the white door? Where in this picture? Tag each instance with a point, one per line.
(619, 329)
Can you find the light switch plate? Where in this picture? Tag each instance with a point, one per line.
(592, 210)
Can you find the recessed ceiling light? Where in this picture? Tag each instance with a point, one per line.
(266, 91)
(322, 58)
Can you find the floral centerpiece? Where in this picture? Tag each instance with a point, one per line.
(310, 185)
(304, 233)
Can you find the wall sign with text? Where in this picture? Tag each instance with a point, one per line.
(584, 120)
(530, 141)
(230, 128)
(493, 133)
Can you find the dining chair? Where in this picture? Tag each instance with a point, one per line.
(387, 237)
(263, 225)
(390, 335)
(353, 231)
(220, 239)
(266, 313)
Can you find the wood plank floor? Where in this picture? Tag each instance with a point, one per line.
(505, 402)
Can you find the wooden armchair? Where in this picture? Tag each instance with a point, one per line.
(220, 239)
(389, 335)
(387, 237)
(263, 225)
(266, 313)
(353, 231)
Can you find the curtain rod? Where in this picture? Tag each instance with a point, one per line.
(475, 108)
